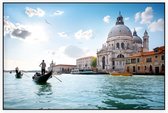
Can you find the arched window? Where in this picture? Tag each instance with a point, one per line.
(120, 56)
(122, 45)
(103, 62)
(117, 46)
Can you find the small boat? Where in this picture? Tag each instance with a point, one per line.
(39, 78)
(19, 75)
(121, 74)
(77, 71)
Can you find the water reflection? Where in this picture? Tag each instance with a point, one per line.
(44, 89)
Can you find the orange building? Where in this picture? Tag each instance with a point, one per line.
(151, 62)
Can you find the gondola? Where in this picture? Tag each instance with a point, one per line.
(39, 78)
(19, 75)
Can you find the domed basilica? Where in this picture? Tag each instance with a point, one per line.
(121, 43)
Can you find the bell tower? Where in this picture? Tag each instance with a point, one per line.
(145, 42)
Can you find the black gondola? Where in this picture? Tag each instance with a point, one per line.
(39, 78)
(19, 75)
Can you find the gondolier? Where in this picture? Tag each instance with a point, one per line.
(18, 73)
(43, 66)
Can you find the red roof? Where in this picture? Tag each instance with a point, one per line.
(160, 50)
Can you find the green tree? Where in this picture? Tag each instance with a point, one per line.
(94, 62)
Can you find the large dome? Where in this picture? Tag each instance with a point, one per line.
(120, 30)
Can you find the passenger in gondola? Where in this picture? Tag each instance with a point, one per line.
(17, 70)
(43, 66)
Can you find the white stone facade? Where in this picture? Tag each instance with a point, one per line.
(119, 45)
(84, 63)
(61, 68)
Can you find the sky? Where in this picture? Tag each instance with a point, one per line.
(65, 32)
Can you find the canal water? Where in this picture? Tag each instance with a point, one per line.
(84, 92)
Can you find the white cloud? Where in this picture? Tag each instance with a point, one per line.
(34, 12)
(84, 34)
(145, 17)
(137, 16)
(28, 33)
(106, 19)
(63, 35)
(126, 18)
(157, 25)
(8, 26)
(58, 12)
(15, 30)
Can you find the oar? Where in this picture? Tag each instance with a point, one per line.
(26, 75)
(57, 78)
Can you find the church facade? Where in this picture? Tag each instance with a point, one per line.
(120, 44)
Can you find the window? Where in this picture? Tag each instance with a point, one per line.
(138, 67)
(133, 60)
(163, 57)
(118, 46)
(150, 69)
(145, 67)
(113, 63)
(122, 45)
(148, 59)
(156, 56)
(133, 68)
(120, 56)
(137, 60)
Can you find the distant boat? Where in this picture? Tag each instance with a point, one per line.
(121, 74)
(39, 78)
(77, 71)
(19, 75)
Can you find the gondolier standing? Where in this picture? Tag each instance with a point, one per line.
(43, 66)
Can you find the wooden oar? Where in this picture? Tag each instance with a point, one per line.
(26, 75)
(57, 78)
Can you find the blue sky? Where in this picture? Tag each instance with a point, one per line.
(65, 32)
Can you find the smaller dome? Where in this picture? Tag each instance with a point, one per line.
(136, 38)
